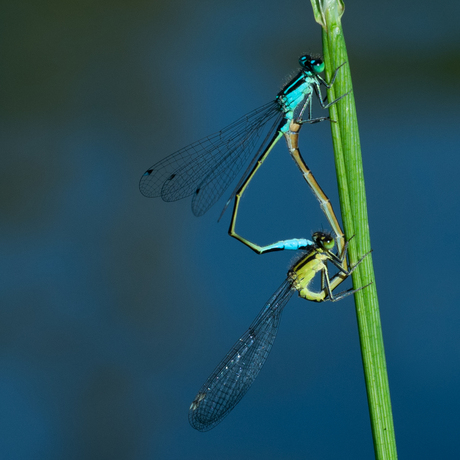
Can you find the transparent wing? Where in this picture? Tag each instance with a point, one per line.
(206, 167)
(234, 375)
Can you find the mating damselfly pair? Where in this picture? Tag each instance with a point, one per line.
(204, 170)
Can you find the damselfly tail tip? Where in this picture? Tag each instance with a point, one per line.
(223, 210)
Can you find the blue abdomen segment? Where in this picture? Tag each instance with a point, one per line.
(293, 244)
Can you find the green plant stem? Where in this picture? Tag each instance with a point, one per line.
(350, 178)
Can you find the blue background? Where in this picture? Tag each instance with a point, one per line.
(116, 308)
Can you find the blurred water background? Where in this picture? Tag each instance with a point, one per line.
(115, 308)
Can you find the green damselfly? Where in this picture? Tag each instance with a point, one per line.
(233, 377)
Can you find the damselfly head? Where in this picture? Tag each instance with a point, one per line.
(313, 64)
(324, 240)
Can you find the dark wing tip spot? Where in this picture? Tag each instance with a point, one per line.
(148, 172)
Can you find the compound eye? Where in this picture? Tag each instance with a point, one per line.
(318, 66)
(328, 243)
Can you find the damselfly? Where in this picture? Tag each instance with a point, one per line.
(206, 168)
(237, 371)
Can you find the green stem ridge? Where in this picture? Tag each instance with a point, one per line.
(350, 178)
